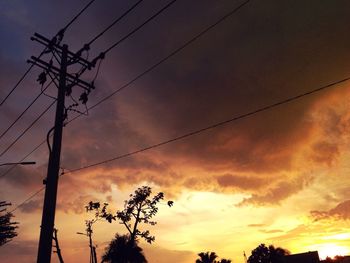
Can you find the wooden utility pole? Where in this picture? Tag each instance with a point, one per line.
(66, 81)
(48, 216)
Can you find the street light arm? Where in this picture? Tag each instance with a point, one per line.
(21, 163)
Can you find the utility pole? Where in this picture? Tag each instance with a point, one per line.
(93, 256)
(66, 81)
(57, 246)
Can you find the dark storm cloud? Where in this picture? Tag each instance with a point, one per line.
(199, 86)
(262, 54)
(25, 177)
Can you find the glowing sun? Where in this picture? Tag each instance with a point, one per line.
(330, 250)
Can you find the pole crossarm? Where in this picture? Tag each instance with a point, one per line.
(69, 77)
(72, 57)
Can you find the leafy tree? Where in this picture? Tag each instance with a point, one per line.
(140, 208)
(207, 257)
(336, 259)
(7, 227)
(123, 250)
(263, 254)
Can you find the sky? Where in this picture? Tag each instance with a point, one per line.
(276, 177)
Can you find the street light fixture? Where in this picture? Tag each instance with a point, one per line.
(20, 163)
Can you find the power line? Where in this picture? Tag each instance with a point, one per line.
(28, 154)
(29, 198)
(94, 39)
(76, 17)
(200, 34)
(114, 22)
(17, 84)
(173, 53)
(28, 107)
(60, 33)
(215, 125)
(140, 26)
(186, 135)
(27, 129)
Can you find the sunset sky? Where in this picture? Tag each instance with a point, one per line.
(278, 177)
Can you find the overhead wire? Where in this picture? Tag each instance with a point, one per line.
(23, 158)
(26, 109)
(140, 26)
(89, 43)
(174, 52)
(27, 129)
(17, 84)
(29, 198)
(209, 127)
(215, 125)
(31, 66)
(60, 33)
(114, 22)
(77, 16)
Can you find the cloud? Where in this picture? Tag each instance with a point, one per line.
(272, 231)
(207, 83)
(256, 225)
(31, 206)
(279, 192)
(241, 182)
(341, 211)
(25, 177)
(19, 251)
(76, 204)
(325, 152)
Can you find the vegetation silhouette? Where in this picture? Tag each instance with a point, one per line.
(139, 209)
(207, 257)
(210, 257)
(7, 227)
(336, 259)
(270, 254)
(123, 249)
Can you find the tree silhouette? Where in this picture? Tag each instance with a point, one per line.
(225, 261)
(207, 257)
(7, 228)
(123, 250)
(263, 254)
(336, 259)
(140, 208)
